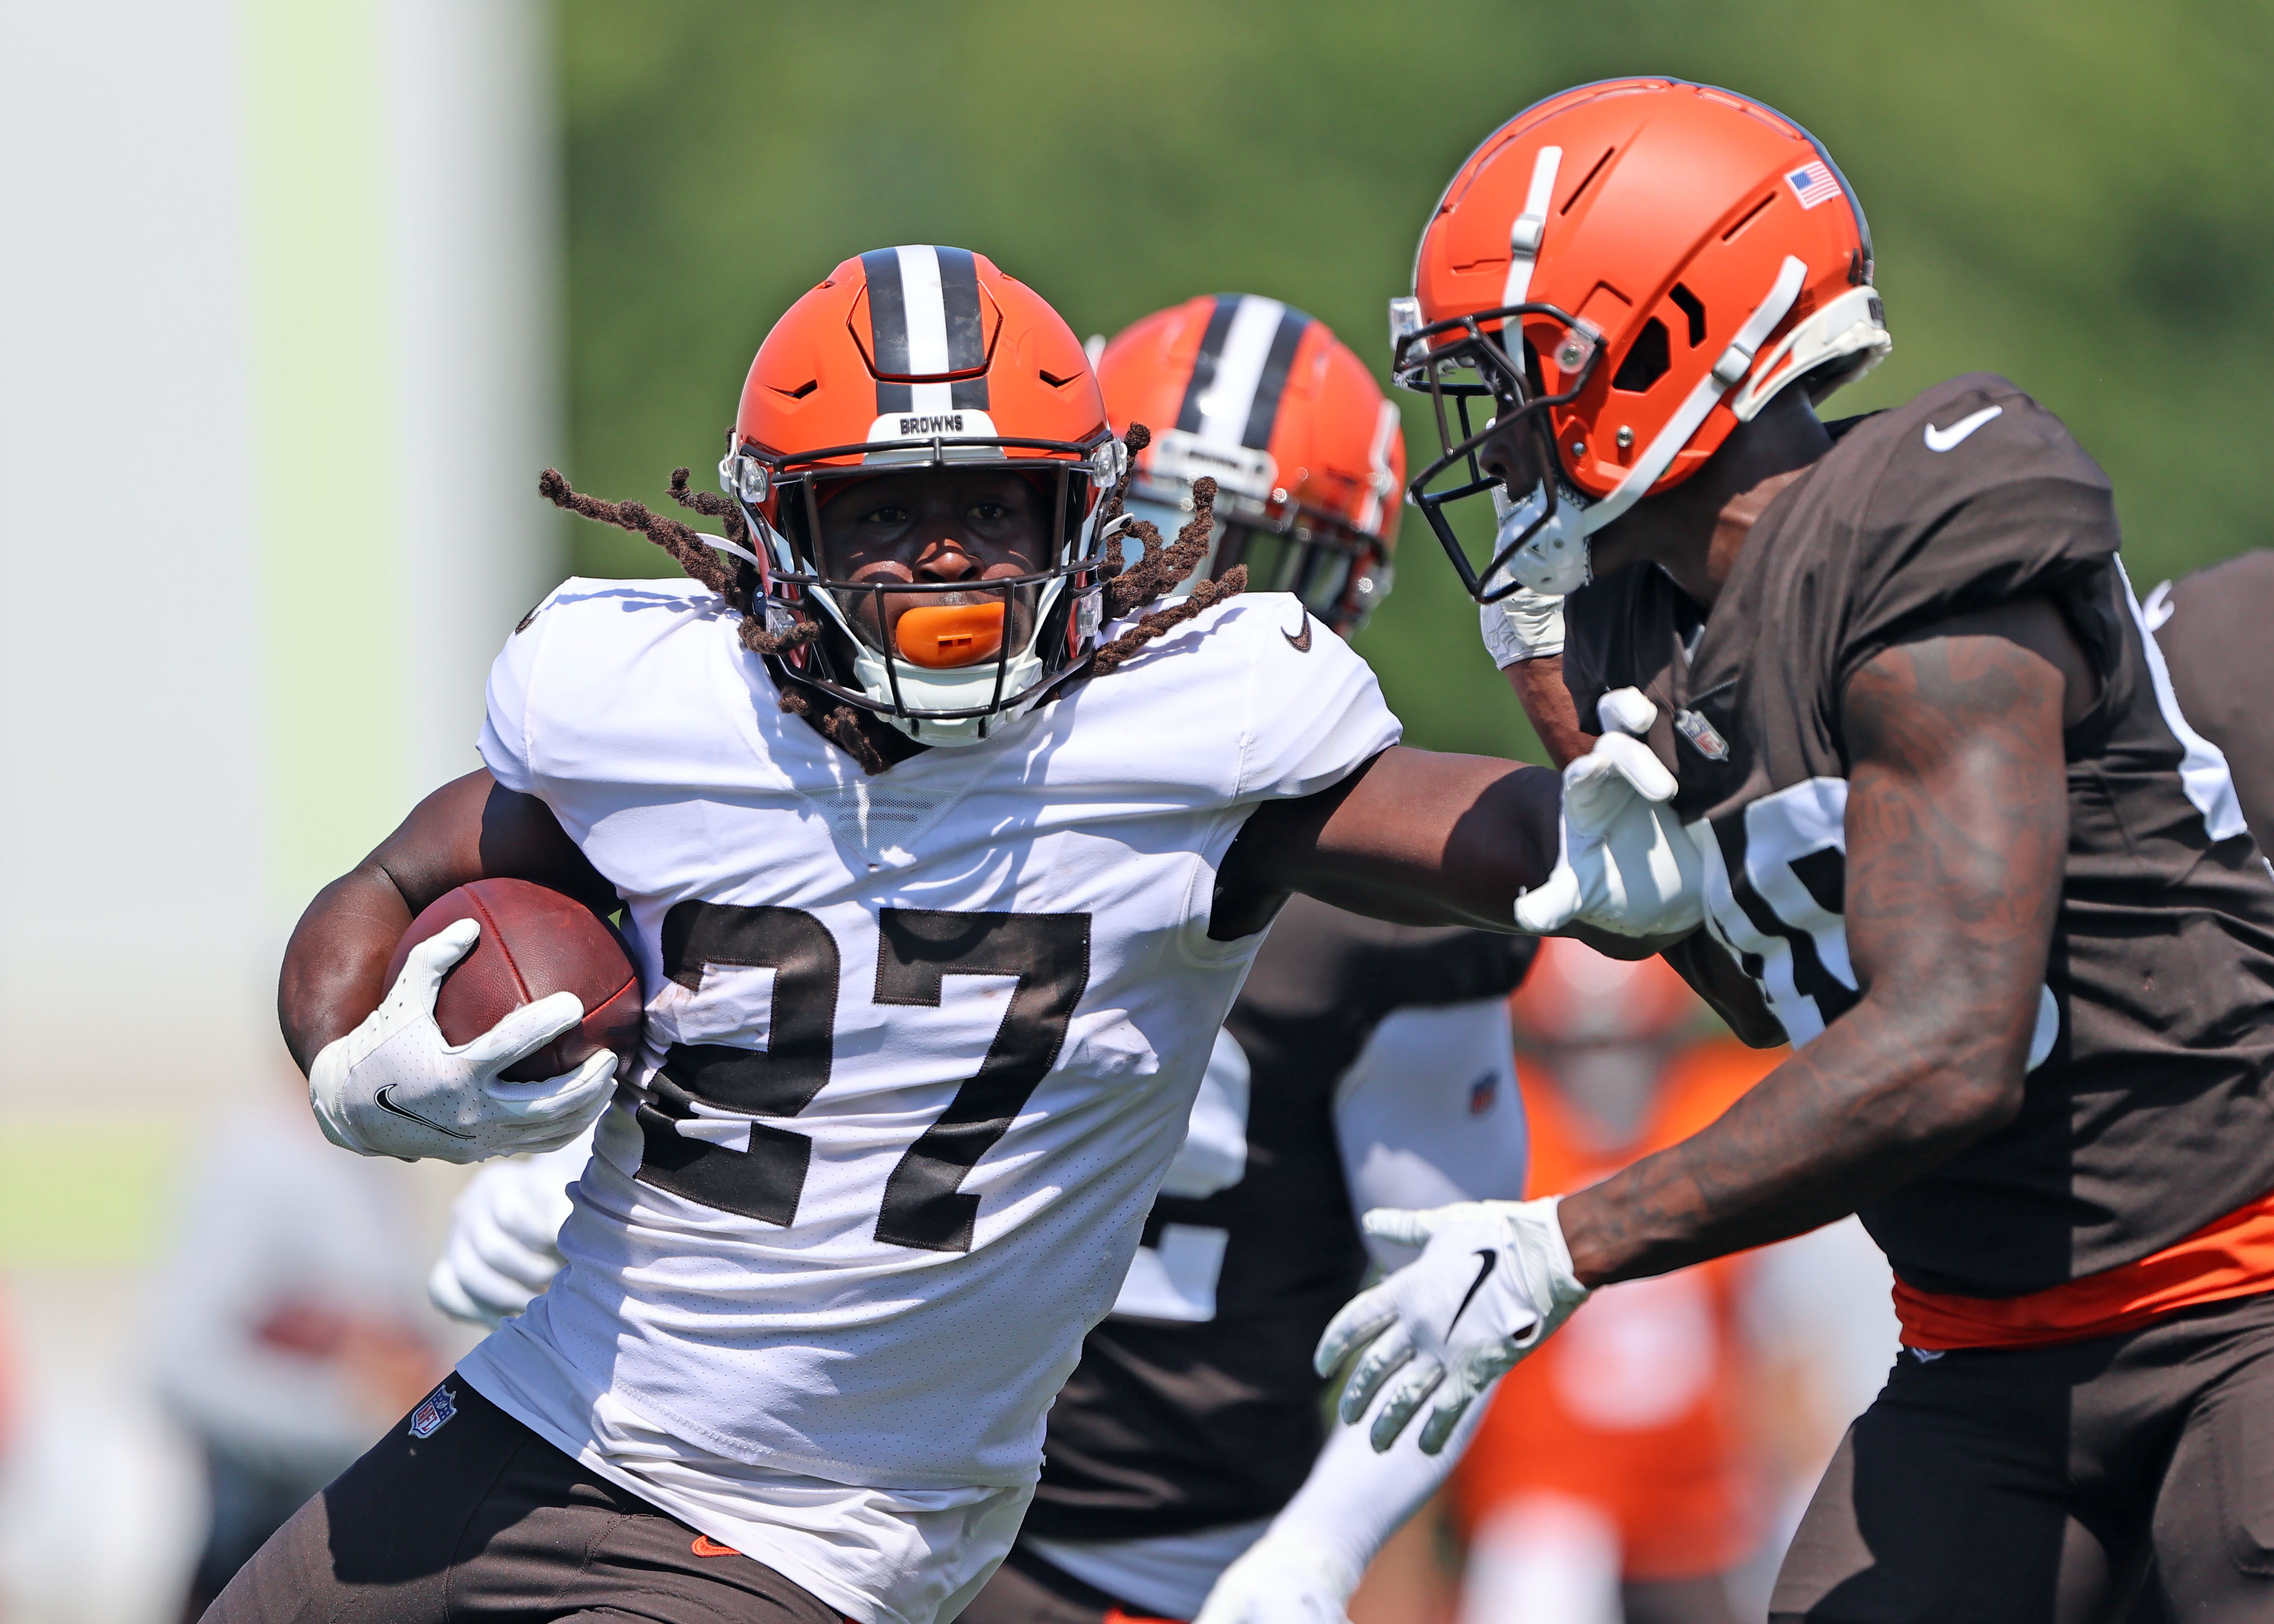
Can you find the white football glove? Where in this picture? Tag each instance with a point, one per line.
(504, 1244)
(394, 1087)
(1493, 1280)
(1624, 863)
(1282, 1579)
(1524, 626)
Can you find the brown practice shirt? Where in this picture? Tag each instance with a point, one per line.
(2149, 1108)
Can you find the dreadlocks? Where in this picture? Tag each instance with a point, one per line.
(1157, 572)
(1127, 586)
(738, 585)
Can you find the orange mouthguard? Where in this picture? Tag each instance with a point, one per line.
(942, 638)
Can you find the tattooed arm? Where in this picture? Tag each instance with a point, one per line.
(1957, 829)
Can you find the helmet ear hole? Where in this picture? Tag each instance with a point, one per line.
(1690, 307)
(1531, 374)
(1649, 360)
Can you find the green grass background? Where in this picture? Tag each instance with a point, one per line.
(2080, 195)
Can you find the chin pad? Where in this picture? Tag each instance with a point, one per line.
(949, 635)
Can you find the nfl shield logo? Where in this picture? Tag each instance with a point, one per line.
(1702, 734)
(438, 1407)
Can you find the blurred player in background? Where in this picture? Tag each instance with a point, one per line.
(2214, 630)
(1619, 1473)
(287, 1323)
(1648, 1463)
(1364, 1065)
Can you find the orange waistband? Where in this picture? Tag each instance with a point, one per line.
(2229, 1256)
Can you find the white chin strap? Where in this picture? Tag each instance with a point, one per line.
(1530, 229)
(1555, 560)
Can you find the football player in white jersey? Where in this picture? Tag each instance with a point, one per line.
(1364, 1065)
(942, 863)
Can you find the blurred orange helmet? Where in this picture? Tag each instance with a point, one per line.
(931, 357)
(1573, 994)
(1674, 257)
(1307, 456)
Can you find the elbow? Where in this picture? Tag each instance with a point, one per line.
(1951, 1095)
(1977, 1104)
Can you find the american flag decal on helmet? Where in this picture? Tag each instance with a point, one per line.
(1241, 370)
(924, 325)
(1814, 182)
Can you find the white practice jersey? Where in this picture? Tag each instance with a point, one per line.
(919, 1048)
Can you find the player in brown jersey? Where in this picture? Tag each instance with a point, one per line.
(1923, 802)
(2211, 628)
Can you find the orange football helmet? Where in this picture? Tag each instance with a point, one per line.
(1308, 456)
(924, 356)
(1671, 257)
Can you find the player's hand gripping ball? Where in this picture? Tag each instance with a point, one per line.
(1493, 1280)
(508, 1009)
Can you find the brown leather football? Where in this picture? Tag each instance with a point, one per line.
(535, 942)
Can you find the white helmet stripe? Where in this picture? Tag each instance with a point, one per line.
(1530, 229)
(1728, 371)
(1225, 403)
(925, 312)
(1380, 483)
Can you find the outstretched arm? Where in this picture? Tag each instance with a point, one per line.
(1416, 837)
(1957, 828)
(471, 829)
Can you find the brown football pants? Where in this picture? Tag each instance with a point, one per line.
(2130, 1477)
(484, 1523)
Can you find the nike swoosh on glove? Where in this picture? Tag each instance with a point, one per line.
(504, 1244)
(1624, 862)
(1280, 1580)
(394, 1087)
(1494, 1279)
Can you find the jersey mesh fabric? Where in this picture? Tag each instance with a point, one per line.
(805, 1324)
(2147, 1110)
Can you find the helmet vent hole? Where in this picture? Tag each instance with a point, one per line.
(1580, 191)
(1056, 382)
(1748, 217)
(1688, 303)
(803, 390)
(1647, 362)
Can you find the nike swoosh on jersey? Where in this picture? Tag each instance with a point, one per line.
(1302, 644)
(387, 1104)
(1484, 1270)
(1944, 440)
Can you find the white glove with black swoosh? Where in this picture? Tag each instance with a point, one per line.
(1493, 1280)
(394, 1087)
(1625, 863)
